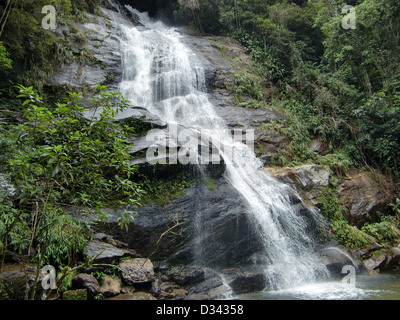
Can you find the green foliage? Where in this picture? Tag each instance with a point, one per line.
(30, 46)
(331, 207)
(249, 91)
(14, 227)
(6, 144)
(3, 291)
(379, 120)
(64, 156)
(384, 232)
(340, 160)
(63, 237)
(341, 231)
(396, 207)
(350, 236)
(164, 190)
(363, 61)
(210, 183)
(81, 156)
(37, 52)
(5, 61)
(301, 123)
(268, 63)
(199, 14)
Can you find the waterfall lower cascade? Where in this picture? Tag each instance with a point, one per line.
(161, 74)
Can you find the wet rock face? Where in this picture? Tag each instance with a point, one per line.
(96, 51)
(219, 75)
(245, 281)
(97, 58)
(336, 258)
(209, 227)
(308, 179)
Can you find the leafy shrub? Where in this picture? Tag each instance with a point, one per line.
(64, 155)
(63, 237)
(14, 226)
(247, 85)
(5, 61)
(331, 207)
(72, 155)
(384, 231)
(379, 131)
(342, 232)
(350, 236)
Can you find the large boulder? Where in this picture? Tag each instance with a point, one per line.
(364, 195)
(186, 275)
(308, 179)
(393, 258)
(212, 287)
(337, 257)
(13, 280)
(305, 177)
(384, 261)
(88, 282)
(102, 252)
(376, 262)
(19, 279)
(246, 280)
(110, 286)
(137, 271)
(172, 291)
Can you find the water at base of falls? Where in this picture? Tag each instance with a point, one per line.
(381, 287)
(164, 76)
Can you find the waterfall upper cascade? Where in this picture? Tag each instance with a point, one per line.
(161, 74)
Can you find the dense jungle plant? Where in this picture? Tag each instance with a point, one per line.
(63, 157)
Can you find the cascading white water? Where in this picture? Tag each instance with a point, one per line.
(163, 75)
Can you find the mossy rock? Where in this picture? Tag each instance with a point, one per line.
(80, 294)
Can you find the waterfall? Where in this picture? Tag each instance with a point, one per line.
(161, 74)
